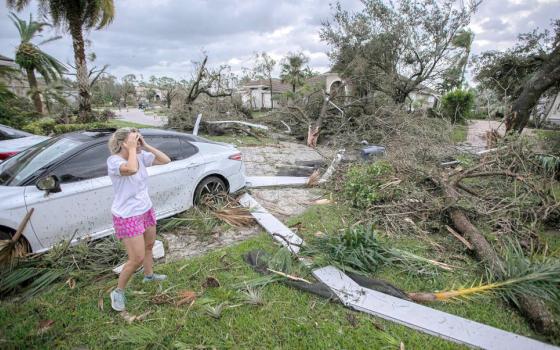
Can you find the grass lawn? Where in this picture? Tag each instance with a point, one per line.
(459, 133)
(288, 318)
(118, 123)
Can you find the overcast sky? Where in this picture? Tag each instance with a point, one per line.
(163, 37)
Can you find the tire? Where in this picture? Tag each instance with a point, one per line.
(5, 235)
(212, 186)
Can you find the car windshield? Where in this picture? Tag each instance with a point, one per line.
(7, 133)
(29, 162)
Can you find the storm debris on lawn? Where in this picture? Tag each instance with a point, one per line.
(207, 216)
(508, 193)
(84, 262)
(14, 248)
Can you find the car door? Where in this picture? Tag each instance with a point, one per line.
(82, 207)
(169, 185)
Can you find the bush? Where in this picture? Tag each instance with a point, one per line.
(363, 184)
(106, 115)
(457, 105)
(15, 111)
(43, 126)
(47, 126)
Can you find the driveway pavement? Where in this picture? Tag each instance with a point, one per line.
(138, 116)
(476, 135)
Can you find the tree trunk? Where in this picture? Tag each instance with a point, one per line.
(34, 86)
(84, 113)
(542, 80)
(534, 310)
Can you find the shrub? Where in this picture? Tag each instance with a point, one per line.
(364, 184)
(15, 111)
(64, 128)
(43, 126)
(106, 115)
(457, 105)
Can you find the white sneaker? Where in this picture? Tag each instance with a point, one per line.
(118, 300)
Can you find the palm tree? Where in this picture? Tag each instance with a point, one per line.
(293, 70)
(75, 16)
(31, 58)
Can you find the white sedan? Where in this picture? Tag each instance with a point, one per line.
(13, 141)
(65, 180)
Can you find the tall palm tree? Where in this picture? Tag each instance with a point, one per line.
(75, 16)
(31, 58)
(293, 70)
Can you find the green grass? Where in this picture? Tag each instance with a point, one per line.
(117, 123)
(288, 319)
(459, 133)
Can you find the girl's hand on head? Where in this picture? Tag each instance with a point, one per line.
(141, 140)
(131, 141)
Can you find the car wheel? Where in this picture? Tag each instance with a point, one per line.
(6, 235)
(209, 188)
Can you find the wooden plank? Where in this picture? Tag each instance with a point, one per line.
(422, 318)
(273, 181)
(271, 224)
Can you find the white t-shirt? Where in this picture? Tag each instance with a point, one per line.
(131, 192)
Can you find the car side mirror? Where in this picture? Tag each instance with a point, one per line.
(49, 183)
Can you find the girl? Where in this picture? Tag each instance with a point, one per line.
(134, 219)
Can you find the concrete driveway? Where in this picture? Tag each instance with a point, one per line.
(138, 116)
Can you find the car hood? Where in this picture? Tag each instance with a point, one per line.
(18, 145)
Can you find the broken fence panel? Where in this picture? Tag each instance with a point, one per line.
(271, 224)
(423, 318)
(330, 170)
(273, 181)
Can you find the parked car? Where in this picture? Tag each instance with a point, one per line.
(13, 141)
(65, 179)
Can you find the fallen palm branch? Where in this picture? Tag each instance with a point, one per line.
(523, 277)
(11, 249)
(235, 216)
(84, 262)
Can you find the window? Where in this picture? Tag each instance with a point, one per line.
(176, 148)
(88, 164)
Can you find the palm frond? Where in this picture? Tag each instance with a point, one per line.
(537, 277)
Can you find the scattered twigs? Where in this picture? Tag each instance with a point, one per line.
(459, 237)
(293, 278)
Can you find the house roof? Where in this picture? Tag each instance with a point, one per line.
(6, 61)
(277, 85)
(4, 58)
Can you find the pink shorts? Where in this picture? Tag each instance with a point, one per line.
(134, 225)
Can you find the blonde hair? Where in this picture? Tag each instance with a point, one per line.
(116, 140)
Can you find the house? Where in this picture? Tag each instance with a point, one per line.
(255, 94)
(16, 83)
(553, 109)
(424, 97)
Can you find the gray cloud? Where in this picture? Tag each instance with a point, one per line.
(162, 37)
